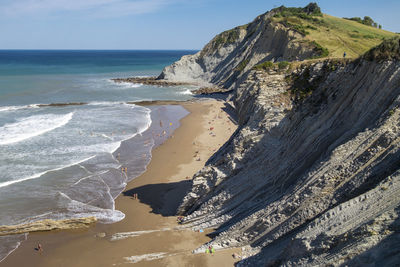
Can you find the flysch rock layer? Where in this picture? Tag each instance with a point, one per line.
(290, 164)
(308, 178)
(47, 225)
(232, 53)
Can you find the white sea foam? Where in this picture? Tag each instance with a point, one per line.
(140, 131)
(104, 103)
(31, 126)
(12, 108)
(37, 175)
(186, 92)
(78, 209)
(10, 244)
(126, 85)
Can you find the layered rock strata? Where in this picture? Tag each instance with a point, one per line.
(311, 176)
(47, 225)
(231, 54)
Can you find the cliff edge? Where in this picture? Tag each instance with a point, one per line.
(312, 175)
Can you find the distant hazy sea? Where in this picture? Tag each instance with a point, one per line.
(64, 161)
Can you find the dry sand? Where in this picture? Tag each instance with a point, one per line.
(152, 234)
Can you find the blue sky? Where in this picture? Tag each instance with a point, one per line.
(151, 24)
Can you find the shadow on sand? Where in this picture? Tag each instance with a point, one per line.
(163, 198)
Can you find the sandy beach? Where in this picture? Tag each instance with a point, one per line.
(149, 235)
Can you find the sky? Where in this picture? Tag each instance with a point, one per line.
(152, 24)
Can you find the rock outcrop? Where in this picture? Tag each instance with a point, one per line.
(312, 175)
(47, 225)
(232, 53)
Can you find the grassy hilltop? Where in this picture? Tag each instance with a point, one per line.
(332, 35)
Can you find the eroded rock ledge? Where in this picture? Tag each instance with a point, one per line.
(47, 225)
(150, 81)
(312, 175)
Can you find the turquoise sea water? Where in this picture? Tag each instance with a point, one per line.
(32, 77)
(69, 157)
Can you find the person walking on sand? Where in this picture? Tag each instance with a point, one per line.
(39, 248)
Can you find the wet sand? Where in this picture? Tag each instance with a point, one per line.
(160, 190)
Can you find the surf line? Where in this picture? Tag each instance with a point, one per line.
(42, 173)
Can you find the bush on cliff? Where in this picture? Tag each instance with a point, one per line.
(320, 50)
(388, 50)
(267, 65)
(366, 21)
(307, 12)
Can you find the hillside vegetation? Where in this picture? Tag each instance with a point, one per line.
(284, 34)
(335, 34)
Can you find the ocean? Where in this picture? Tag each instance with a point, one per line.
(67, 130)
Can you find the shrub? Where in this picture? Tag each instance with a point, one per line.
(242, 65)
(368, 36)
(388, 50)
(226, 37)
(307, 12)
(295, 25)
(320, 50)
(283, 65)
(264, 66)
(311, 27)
(366, 21)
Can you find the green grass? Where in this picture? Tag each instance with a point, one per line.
(223, 39)
(283, 65)
(267, 65)
(336, 35)
(320, 50)
(242, 65)
(307, 12)
(387, 50)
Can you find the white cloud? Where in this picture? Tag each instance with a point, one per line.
(102, 8)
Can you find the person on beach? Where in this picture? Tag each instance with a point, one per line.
(39, 248)
(212, 250)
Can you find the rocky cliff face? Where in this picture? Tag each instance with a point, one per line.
(233, 53)
(312, 176)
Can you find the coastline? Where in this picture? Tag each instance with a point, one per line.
(160, 189)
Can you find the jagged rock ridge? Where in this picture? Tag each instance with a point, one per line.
(230, 54)
(306, 177)
(312, 175)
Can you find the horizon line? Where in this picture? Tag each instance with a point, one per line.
(92, 49)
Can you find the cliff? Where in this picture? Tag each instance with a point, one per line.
(230, 54)
(282, 34)
(312, 175)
